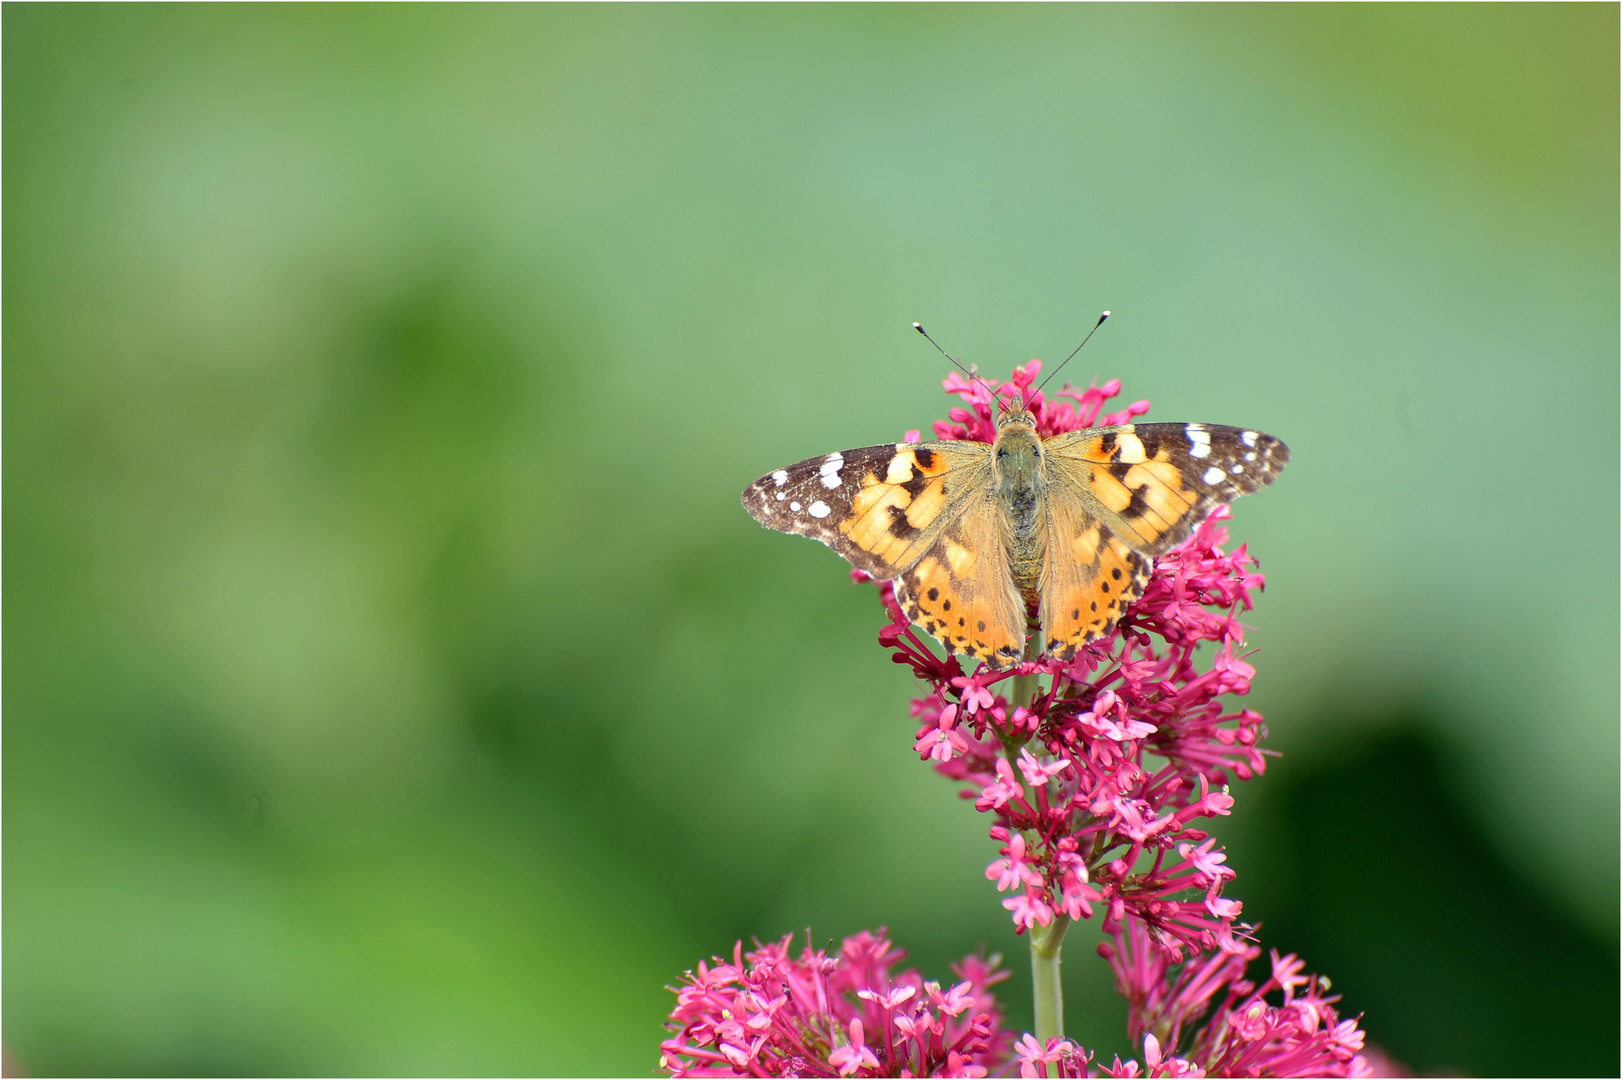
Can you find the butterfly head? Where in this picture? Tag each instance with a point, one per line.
(1014, 418)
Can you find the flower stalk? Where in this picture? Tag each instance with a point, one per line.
(1047, 989)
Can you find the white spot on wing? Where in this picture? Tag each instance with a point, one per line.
(1212, 475)
(1237, 468)
(830, 470)
(819, 509)
(1199, 441)
(1248, 438)
(900, 470)
(794, 506)
(779, 496)
(1251, 456)
(780, 477)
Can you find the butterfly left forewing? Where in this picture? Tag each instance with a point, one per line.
(880, 507)
(922, 514)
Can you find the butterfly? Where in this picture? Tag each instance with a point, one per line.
(983, 540)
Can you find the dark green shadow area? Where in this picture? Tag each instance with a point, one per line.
(1368, 866)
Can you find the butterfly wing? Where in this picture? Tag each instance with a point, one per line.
(1152, 484)
(880, 507)
(1089, 576)
(922, 513)
(963, 591)
(1119, 496)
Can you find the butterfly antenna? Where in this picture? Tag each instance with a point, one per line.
(1077, 349)
(997, 400)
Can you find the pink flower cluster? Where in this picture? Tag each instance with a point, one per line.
(767, 1013)
(1246, 1035)
(1096, 785)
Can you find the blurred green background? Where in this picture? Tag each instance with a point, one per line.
(394, 683)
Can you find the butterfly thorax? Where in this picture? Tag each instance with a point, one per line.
(1019, 477)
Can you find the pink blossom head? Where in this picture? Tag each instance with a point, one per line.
(772, 1013)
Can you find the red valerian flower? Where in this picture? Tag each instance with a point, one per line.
(1204, 1018)
(769, 1013)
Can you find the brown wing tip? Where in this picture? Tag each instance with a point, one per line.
(758, 497)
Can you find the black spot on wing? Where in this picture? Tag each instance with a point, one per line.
(1152, 441)
(1138, 504)
(919, 482)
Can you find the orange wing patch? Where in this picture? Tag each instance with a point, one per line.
(961, 591)
(1148, 494)
(890, 512)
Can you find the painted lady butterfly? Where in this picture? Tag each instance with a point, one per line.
(980, 537)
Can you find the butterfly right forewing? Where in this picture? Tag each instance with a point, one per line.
(1120, 496)
(1152, 484)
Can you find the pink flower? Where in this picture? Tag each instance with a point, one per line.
(1012, 870)
(772, 1013)
(854, 1054)
(954, 1001)
(1030, 909)
(1034, 1057)
(973, 693)
(1037, 773)
(1001, 789)
(1223, 1024)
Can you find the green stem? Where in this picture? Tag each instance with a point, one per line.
(1047, 991)
(1024, 688)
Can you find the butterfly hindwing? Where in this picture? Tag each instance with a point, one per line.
(1152, 484)
(962, 590)
(1089, 576)
(880, 507)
